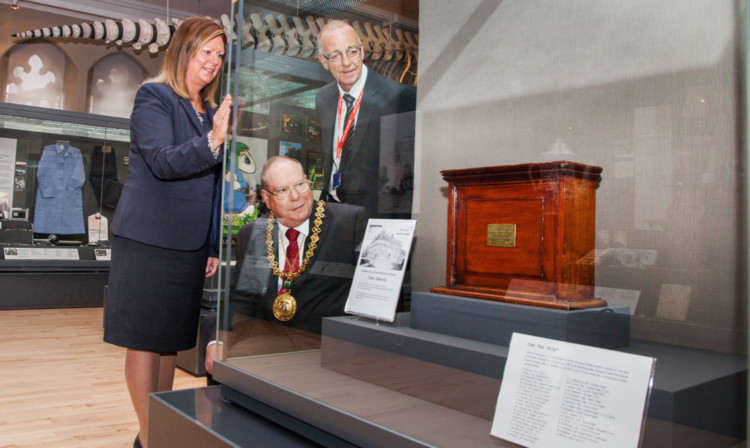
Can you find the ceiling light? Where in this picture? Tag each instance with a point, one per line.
(14, 5)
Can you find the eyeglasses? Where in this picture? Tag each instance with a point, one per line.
(352, 53)
(300, 187)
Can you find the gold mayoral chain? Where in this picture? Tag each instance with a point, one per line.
(284, 306)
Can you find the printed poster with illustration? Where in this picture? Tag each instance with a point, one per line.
(376, 286)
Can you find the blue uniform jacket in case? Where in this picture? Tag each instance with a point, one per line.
(59, 205)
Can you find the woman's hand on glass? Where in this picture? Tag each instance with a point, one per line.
(221, 122)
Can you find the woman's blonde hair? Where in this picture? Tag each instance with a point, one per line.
(188, 39)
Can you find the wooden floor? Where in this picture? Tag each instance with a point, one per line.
(61, 386)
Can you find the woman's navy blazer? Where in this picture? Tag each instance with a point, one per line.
(170, 198)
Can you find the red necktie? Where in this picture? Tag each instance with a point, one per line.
(291, 264)
(346, 147)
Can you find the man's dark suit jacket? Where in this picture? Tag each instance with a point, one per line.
(320, 291)
(169, 197)
(381, 97)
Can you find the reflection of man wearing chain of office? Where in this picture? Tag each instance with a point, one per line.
(271, 311)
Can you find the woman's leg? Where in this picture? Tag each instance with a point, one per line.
(142, 376)
(167, 362)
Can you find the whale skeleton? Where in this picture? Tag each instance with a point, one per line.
(389, 46)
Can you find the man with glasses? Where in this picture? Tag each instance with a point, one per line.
(351, 141)
(294, 267)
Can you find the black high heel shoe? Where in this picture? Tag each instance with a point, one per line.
(137, 442)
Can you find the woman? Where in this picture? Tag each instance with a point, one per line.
(166, 223)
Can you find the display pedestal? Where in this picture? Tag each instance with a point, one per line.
(202, 418)
(433, 364)
(193, 360)
(375, 384)
(495, 322)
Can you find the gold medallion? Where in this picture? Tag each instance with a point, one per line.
(284, 307)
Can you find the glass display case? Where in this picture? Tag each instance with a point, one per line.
(500, 86)
(61, 174)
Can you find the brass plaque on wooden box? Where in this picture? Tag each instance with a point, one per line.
(518, 234)
(501, 235)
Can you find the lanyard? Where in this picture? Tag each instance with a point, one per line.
(348, 125)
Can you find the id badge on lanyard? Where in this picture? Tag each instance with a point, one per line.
(337, 179)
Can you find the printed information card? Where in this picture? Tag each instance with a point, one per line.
(98, 228)
(103, 254)
(559, 394)
(38, 253)
(7, 174)
(376, 286)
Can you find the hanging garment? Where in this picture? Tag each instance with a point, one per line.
(59, 203)
(103, 177)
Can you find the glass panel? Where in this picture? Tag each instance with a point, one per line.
(653, 94)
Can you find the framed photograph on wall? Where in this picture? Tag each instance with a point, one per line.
(283, 139)
(291, 149)
(315, 169)
(312, 132)
(292, 125)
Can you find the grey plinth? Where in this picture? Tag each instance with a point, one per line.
(494, 322)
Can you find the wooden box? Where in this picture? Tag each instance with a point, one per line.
(523, 234)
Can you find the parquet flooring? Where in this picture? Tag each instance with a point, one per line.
(60, 385)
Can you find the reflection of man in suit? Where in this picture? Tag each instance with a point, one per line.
(352, 167)
(322, 287)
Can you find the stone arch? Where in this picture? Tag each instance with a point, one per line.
(113, 82)
(35, 75)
